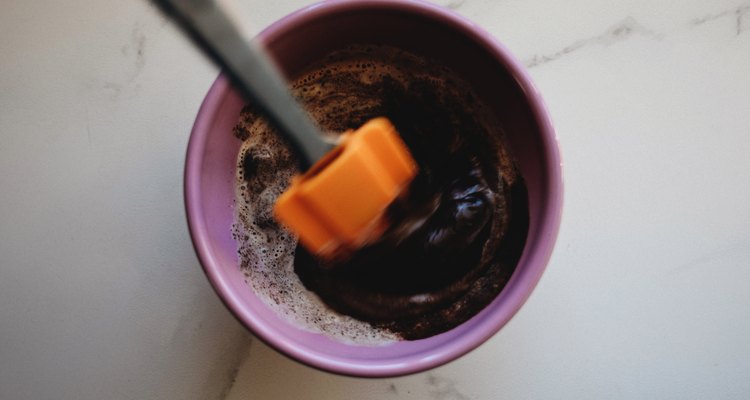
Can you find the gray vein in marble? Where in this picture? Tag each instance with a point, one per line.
(617, 33)
(139, 41)
(739, 15)
(441, 388)
(114, 87)
(134, 51)
(138, 44)
(229, 383)
(236, 362)
(734, 249)
(455, 4)
(392, 389)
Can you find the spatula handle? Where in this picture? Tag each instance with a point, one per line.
(251, 70)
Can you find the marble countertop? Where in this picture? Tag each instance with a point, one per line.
(101, 295)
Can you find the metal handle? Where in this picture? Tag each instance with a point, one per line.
(252, 72)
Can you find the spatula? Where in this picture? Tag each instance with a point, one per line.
(339, 204)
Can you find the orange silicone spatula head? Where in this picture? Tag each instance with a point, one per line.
(339, 204)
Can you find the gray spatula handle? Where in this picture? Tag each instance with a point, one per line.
(251, 70)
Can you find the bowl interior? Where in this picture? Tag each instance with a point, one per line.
(297, 41)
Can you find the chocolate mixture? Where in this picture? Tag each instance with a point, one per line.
(459, 231)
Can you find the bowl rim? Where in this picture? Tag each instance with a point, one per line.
(551, 214)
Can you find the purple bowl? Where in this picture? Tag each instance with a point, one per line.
(422, 28)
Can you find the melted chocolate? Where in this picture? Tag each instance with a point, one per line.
(455, 236)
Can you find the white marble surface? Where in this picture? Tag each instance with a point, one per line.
(101, 295)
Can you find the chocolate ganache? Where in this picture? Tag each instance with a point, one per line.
(458, 231)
